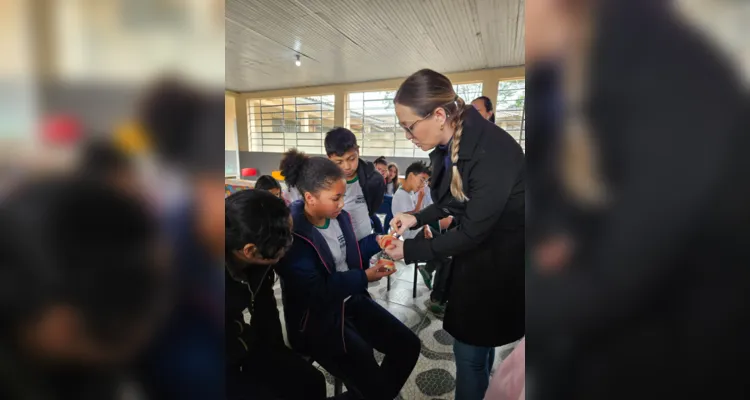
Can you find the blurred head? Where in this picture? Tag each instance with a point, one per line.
(103, 161)
(269, 184)
(382, 166)
(258, 227)
(484, 106)
(320, 182)
(432, 114)
(417, 175)
(92, 293)
(393, 172)
(342, 149)
(550, 26)
(180, 120)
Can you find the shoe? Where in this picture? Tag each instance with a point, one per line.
(426, 276)
(435, 308)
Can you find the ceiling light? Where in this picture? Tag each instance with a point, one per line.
(298, 62)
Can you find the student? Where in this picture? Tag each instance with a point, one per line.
(258, 233)
(364, 185)
(484, 106)
(411, 197)
(269, 184)
(478, 178)
(328, 311)
(382, 166)
(75, 313)
(392, 178)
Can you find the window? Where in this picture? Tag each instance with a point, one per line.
(276, 125)
(372, 118)
(468, 91)
(509, 113)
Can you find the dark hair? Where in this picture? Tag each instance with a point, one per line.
(82, 243)
(308, 174)
(418, 167)
(340, 140)
(267, 182)
(101, 159)
(381, 160)
(423, 92)
(257, 217)
(487, 106)
(181, 120)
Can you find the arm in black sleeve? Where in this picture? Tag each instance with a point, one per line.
(265, 319)
(490, 183)
(663, 195)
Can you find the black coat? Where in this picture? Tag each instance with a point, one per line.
(372, 184)
(265, 327)
(486, 288)
(655, 303)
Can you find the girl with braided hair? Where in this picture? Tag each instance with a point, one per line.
(478, 178)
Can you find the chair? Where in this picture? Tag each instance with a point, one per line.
(414, 288)
(337, 384)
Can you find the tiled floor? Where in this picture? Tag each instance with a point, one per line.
(434, 375)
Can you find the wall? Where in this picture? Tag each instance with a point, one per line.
(266, 163)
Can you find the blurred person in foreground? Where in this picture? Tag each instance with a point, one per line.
(81, 287)
(187, 361)
(259, 364)
(639, 279)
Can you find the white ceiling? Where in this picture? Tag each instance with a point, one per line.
(342, 41)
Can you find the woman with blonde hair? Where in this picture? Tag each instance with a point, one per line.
(478, 178)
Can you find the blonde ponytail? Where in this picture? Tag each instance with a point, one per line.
(457, 184)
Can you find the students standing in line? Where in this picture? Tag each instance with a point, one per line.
(478, 178)
(329, 313)
(258, 363)
(365, 186)
(484, 106)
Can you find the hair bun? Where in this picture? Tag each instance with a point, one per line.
(292, 164)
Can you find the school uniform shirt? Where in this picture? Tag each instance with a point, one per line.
(334, 237)
(390, 188)
(356, 205)
(404, 201)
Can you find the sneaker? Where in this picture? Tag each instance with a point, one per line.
(435, 308)
(426, 276)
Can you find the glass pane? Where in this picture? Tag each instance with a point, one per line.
(274, 149)
(404, 152)
(375, 152)
(311, 149)
(355, 97)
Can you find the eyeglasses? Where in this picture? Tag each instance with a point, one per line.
(410, 129)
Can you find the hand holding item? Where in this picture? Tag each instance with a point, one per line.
(378, 272)
(403, 222)
(554, 253)
(396, 251)
(384, 241)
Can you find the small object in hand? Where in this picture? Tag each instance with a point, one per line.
(385, 262)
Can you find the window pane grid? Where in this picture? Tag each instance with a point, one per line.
(372, 118)
(278, 124)
(510, 111)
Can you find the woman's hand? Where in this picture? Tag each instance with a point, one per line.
(427, 232)
(554, 253)
(384, 241)
(396, 250)
(377, 273)
(403, 222)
